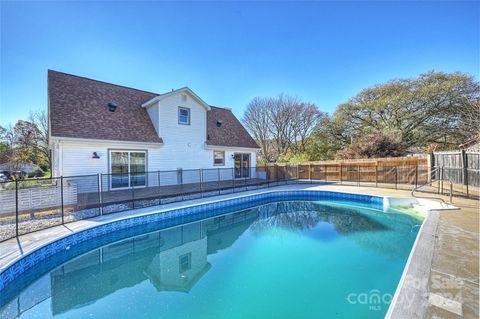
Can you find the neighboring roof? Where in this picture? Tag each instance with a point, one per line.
(231, 132)
(185, 89)
(78, 108)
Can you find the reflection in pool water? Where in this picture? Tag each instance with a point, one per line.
(288, 259)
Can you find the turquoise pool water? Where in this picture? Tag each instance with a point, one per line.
(323, 259)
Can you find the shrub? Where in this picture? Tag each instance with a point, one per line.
(38, 172)
(374, 145)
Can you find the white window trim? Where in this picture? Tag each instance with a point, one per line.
(189, 115)
(110, 168)
(223, 163)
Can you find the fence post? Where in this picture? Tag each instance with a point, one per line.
(451, 191)
(61, 198)
(160, 186)
(310, 172)
(16, 207)
(298, 174)
(276, 173)
(396, 177)
(340, 169)
(100, 194)
(201, 182)
(133, 192)
(416, 176)
(441, 180)
(465, 170)
(180, 172)
(438, 179)
(267, 175)
(358, 175)
(286, 174)
(376, 174)
(431, 166)
(326, 173)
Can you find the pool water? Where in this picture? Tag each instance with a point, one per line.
(323, 259)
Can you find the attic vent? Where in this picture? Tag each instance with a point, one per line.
(112, 106)
(184, 97)
(219, 123)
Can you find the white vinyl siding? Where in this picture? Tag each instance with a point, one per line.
(183, 148)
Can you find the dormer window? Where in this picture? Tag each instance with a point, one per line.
(183, 115)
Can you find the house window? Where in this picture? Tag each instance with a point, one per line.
(183, 115)
(218, 158)
(185, 262)
(127, 169)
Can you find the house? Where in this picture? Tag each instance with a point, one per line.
(98, 127)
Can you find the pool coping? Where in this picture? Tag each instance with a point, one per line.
(410, 300)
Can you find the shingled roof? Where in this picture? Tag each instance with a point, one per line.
(78, 108)
(230, 132)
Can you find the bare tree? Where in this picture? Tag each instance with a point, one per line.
(307, 118)
(281, 125)
(40, 120)
(256, 120)
(282, 122)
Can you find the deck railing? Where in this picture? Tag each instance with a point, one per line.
(34, 204)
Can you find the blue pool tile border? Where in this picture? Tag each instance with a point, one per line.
(168, 218)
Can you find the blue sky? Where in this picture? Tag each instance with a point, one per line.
(230, 52)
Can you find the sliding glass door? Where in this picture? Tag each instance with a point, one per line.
(119, 170)
(127, 169)
(242, 165)
(137, 169)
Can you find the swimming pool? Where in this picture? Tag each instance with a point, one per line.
(274, 255)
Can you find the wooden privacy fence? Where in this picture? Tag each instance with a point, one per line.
(365, 172)
(405, 170)
(385, 161)
(460, 167)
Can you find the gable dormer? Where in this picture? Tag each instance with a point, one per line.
(180, 112)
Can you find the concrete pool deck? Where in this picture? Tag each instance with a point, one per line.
(452, 267)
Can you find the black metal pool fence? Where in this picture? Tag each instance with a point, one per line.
(34, 204)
